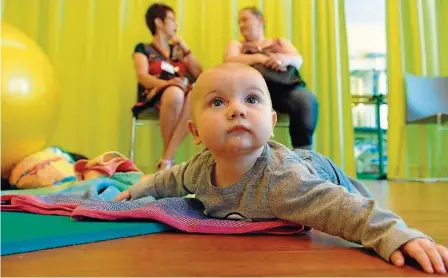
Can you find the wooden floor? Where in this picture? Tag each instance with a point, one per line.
(423, 206)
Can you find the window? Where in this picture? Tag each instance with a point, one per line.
(366, 33)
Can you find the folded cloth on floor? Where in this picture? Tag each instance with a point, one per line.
(105, 164)
(93, 199)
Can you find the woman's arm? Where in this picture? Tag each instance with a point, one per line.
(291, 56)
(142, 70)
(233, 54)
(193, 66)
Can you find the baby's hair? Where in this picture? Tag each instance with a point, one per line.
(224, 66)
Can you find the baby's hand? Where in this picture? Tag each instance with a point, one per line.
(126, 195)
(428, 254)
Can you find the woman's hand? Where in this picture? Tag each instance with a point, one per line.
(276, 62)
(260, 58)
(193, 66)
(177, 81)
(430, 256)
(179, 41)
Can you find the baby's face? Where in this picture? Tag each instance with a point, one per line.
(232, 110)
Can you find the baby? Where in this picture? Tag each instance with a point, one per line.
(241, 174)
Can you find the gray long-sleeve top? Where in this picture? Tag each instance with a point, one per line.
(283, 186)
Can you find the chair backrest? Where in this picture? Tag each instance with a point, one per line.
(426, 97)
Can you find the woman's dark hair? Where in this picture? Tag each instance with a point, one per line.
(255, 11)
(156, 11)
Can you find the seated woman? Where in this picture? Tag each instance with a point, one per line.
(277, 54)
(165, 71)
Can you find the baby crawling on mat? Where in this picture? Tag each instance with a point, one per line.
(241, 174)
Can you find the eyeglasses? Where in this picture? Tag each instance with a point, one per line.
(170, 18)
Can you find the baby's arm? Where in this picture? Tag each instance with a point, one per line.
(167, 183)
(172, 182)
(298, 196)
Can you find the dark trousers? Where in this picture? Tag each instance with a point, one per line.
(302, 107)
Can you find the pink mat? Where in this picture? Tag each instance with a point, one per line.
(184, 214)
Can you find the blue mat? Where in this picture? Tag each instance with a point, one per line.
(24, 232)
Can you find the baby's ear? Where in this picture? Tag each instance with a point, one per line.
(274, 118)
(194, 131)
(274, 122)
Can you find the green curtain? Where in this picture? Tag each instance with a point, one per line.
(90, 43)
(328, 76)
(417, 43)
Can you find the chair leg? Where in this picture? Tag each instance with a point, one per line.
(400, 149)
(440, 130)
(131, 151)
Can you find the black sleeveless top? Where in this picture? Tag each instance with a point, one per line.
(155, 59)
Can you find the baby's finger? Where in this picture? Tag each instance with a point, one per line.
(397, 258)
(119, 197)
(123, 196)
(443, 251)
(433, 254)
(416, 251)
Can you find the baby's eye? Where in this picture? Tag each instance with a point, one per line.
(217, 102)
(252, 99)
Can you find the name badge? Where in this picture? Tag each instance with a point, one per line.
(168, 67)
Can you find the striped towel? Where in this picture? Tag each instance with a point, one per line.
(93, 201)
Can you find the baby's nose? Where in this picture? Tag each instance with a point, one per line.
(237, 111)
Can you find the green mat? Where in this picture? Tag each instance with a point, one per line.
(24, 232)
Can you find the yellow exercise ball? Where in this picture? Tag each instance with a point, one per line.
(29, 97)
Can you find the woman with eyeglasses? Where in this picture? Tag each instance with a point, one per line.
(166, 70)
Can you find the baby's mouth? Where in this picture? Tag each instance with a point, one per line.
(239, 129)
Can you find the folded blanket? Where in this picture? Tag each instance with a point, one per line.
(105, 164)
(92, 199)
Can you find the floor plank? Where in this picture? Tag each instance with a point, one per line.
(423, 206)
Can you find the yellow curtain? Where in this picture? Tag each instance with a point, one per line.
(90, 43)
(320, 35)
(417, 42)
